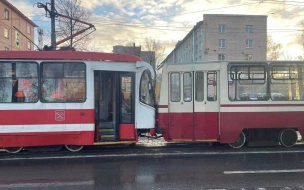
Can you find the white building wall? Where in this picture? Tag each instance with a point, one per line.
(235, 36)
(202, 42)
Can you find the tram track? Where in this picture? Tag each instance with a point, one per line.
(143, 151)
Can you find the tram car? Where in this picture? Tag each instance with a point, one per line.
(73, 99)
(233, 103)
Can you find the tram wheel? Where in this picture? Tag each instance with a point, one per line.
(240, 141)
(73, 148)
(13, 150)
(288, 137)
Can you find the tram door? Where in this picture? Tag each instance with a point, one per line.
(126, 106)
(181, 106)
(193, 106)
(113, 104)
(206, 106)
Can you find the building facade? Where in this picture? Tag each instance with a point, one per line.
(146, 56)
(10, 38)
(223, 37)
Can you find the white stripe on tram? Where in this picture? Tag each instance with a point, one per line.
(46, 128)
(264, 171)
(242, 109)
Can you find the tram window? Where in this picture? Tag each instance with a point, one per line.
(286, 81)
(211, 86)
(63, 82)
(247, 82)
(146, 91)
(175, 87)
(199, 86)
(187, 88)
(18, 82)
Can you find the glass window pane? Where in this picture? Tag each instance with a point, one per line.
(199, 86)
(126, 101)
(286, 82)
(175, 87)
(248, 82)
(146, 91)
(63, 82)
(211, 86)
(187, 87)
(19, 82)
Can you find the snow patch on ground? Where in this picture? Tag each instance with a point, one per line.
(145, 141)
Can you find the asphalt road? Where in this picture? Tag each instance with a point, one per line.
(174, 167)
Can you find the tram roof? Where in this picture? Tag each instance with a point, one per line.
(68, 55)
(228, 61)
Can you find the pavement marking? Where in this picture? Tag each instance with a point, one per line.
(47, 184)
(126, 155)
(263, 171)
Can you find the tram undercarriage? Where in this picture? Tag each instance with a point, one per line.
(267, 137)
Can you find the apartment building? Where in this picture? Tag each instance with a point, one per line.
(223, 37)
(11, 39)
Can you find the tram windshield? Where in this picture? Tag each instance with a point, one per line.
(146, 89)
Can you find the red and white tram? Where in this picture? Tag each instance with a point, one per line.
(73, 99)
(232, 102)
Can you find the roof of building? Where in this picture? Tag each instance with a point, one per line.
(234, 15)
(5, 2)
(179, 43)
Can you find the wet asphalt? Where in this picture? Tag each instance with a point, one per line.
(174, 167)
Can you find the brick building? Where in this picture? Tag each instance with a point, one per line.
(11, 39)
(223, 37)
(147, 56)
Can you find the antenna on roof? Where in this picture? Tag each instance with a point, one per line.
(27, 38)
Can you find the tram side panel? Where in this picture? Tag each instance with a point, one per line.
(163, 108)
(257, 109)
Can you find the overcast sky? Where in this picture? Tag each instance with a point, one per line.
(119, 22)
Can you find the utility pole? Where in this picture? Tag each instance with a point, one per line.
(53, 15)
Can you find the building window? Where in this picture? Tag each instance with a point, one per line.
(249, 43)
(248, 57)
(249, 28)
(222, 43)
(28, 29)
(222, 28)
(221, 57)
(6, 14)
(6, 49)
(28, 45)
(6, 33)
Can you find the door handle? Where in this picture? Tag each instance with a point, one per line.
(81, 113)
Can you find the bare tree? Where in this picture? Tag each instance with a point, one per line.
(274, 51)
(300, 58)
(153, 52)
(287, 56)
(67, 27)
